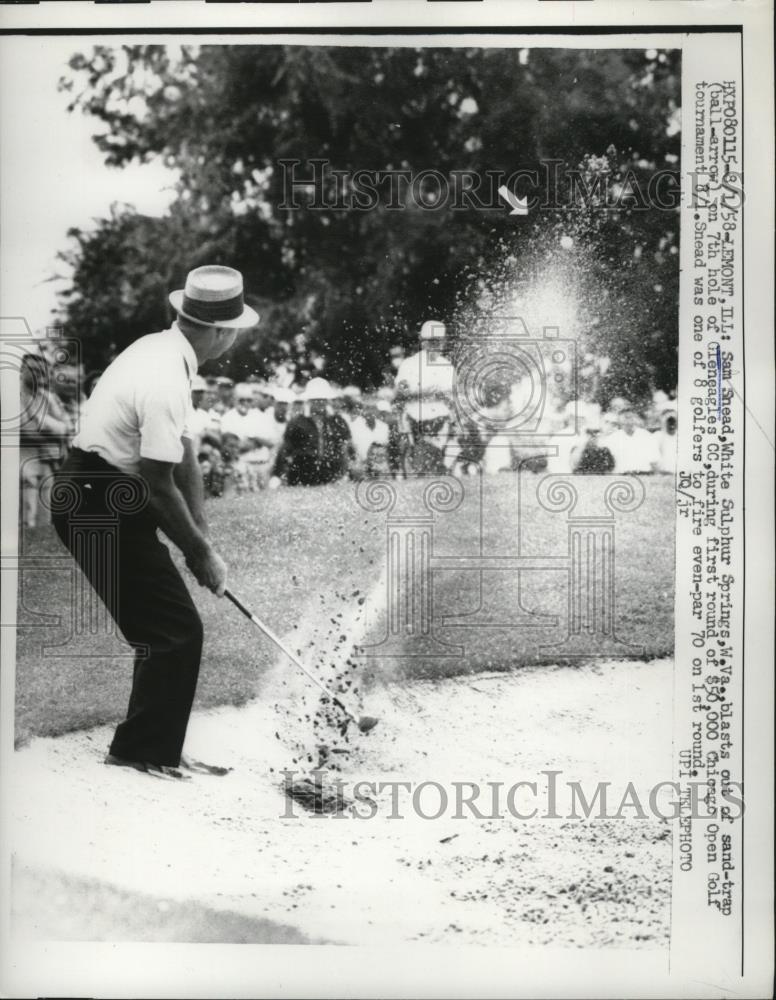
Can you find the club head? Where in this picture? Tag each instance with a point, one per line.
(366, 723)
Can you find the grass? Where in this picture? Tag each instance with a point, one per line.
(500, 616)
(297, 556)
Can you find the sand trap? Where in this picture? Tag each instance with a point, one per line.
(225, 843)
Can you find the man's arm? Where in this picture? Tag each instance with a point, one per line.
(188, 479)
(174, 517)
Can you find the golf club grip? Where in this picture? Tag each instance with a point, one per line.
(237, 603)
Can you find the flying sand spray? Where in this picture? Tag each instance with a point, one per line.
(364, 722)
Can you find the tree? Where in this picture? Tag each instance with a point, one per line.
(228, 116)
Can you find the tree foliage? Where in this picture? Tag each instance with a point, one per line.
(356, 281)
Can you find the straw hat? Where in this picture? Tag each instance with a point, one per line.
(213, 296)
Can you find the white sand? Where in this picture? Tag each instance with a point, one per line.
(223, 842)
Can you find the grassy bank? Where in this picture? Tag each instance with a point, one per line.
(300, 556)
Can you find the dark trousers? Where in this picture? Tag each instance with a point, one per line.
(102, 517)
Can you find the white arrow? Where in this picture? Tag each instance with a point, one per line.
(519, 206)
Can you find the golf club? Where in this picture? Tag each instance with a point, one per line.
(364, 722)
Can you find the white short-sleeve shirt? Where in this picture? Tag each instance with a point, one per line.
(141, 406)
(418, 375)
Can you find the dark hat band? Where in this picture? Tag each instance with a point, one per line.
(212, 312)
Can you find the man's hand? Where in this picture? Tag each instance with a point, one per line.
(209, 570)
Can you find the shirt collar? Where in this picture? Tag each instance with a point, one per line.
(186, 349)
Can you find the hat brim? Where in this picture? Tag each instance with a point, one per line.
(247, 319)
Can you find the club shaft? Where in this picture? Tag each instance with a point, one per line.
(284, 649)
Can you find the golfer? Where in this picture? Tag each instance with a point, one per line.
(133, 470)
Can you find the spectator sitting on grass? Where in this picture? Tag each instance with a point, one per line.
(241, 419)
(342, 452)
(260, 448)
(654, 410)
(352, 412)
(373, 412)
(378, 459)
(235, 470)
(257, 457)
(494, 412)
(634, 449)
(316, 446)
(667, 441)
(351, 408)
(251, 424)
(212, 408)
(281, 412)
(296, 409)
(263, 396)
(471, 448)
(591, 456)
(199, 420)
(367, 431)
(205, 459)
(389, 412)
(225, 390)
(211, 465)
(503, 433)
(429, 433)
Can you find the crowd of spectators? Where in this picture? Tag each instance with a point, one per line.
(256, 435)
(297, 428)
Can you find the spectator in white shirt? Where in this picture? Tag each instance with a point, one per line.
(265, 437)
(667, 441)
(427, 375)
(241, 419)
(366, 430)
(200, 422)
(633, 448)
